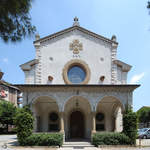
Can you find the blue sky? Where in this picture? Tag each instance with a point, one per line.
(127, 19)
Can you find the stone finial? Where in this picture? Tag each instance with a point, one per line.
(37, 36)
(76, 22)
(114, 38)
(1, 74)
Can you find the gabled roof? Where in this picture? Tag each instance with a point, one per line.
(27, 66)
(2, 82)
(75, 28)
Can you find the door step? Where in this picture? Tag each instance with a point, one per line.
(77, 145)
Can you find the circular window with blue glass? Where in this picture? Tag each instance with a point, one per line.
(76, 72)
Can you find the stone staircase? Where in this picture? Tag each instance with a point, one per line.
(69, 145)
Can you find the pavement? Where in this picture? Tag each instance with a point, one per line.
(9, 142)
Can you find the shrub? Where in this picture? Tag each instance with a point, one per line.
(44, 139)
(110, 138)
(130, 125)
(24, 125)
(7, 114)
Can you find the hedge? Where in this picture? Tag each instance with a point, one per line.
(110, 138)
(44, 139)
(24, 127)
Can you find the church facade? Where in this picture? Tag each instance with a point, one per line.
(76, 85)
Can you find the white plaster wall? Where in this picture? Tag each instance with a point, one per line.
(121, 76)
(30, 76)
(124, 77)
(92, 51)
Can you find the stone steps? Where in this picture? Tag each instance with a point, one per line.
(77, 145)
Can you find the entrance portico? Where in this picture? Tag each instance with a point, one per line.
(77, 110)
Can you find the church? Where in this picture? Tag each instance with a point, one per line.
(76, 85)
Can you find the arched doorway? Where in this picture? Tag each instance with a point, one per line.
(76, 125)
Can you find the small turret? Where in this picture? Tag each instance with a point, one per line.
(114, 38)
(37, 36)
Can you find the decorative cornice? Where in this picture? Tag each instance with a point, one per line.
(77, 87)
(41, 40)
(27, 66)
(125, 67)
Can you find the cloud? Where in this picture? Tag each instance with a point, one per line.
(5, 60)
(137, 78)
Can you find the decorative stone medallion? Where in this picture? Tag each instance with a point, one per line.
(76, 46)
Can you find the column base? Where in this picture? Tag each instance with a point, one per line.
(93, 131)
(62, 131)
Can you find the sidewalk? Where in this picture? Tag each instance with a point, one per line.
(12, 144)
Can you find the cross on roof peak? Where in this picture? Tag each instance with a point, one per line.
(76, 22)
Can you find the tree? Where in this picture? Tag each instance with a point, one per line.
(130, 124)
(148, 6)
(24, 124)
(144, 115)
(15, 22)
(7, 113)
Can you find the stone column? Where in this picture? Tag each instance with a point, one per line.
(62, 122)
(35, 122)
(118, 121)
(32, 108)
(62, 125)
(93, 122)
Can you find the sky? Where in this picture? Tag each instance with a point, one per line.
(129, 20)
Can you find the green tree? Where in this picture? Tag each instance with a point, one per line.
(7, 113)
(148, 6)
(130, 125)
(15, 21)
(144, 115)
(24, 125)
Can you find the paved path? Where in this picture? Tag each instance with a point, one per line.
(11, 141)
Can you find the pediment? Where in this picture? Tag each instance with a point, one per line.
(75, 29)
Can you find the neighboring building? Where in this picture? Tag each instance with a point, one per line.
(75, 84)
(8, 92)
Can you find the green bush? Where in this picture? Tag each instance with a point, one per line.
(44, 139)
(130, 125)
(110, 138)
(24, 125)
(7, 114)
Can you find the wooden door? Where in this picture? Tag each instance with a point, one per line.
(76, 125)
